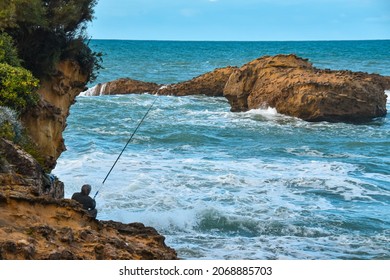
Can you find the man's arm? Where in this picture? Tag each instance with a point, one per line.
(92, 204)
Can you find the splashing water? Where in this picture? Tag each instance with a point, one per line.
(223, 185)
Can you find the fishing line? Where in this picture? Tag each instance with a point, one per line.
(124, 148)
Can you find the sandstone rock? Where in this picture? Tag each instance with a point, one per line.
(42, 228)
(287, 83)
(46, 122)
(122, 86)
(36, 225)
(295, 88)
(210, 84)
(20, 172)
(34, 222)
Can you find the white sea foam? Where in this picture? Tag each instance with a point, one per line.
(93, 90)
(208, 178)
(89, 92)
(269, 111)
(223, 185)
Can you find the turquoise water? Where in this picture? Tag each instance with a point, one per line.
(223, 185)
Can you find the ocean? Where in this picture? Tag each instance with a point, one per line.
(221, 185)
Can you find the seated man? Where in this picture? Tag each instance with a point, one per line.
(88, 203)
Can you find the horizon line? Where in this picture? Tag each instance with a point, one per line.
(195, 40)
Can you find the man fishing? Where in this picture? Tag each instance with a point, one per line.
(83, 197)
(86, 201)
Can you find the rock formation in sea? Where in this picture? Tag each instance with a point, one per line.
(294, 87)
(209, 84)
(122, 86)
(36, 222)
(288, 83)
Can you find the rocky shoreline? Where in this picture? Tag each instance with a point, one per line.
(39, 228)
(36, 221)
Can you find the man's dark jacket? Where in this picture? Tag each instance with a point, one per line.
(87, 202)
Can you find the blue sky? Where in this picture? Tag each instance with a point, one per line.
(241, 20)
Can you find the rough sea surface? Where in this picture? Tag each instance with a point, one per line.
(223, 185)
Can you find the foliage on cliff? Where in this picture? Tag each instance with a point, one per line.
(17, 85)
(8, 52)
(48, 31)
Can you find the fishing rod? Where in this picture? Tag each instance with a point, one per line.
(124, 148)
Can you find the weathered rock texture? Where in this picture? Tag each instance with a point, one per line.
(46, 122)
(295, 88)
(209, 84)
(22, 172)
(35, 221)
(285, 82)
(122, 86)
(40, 228)
(36, 225)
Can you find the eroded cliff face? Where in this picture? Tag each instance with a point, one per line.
(20, 172)
(36, 223)
(46, 122)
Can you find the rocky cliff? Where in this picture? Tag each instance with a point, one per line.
(36, 222)
(286, 82)
(46, 122)
(39, 227)
(20, 172)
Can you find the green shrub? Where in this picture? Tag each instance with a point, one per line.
(8, 52)
(17, 87)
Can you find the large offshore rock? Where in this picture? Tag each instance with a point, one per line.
(294, 87)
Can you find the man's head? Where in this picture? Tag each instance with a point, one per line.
(86, 189)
